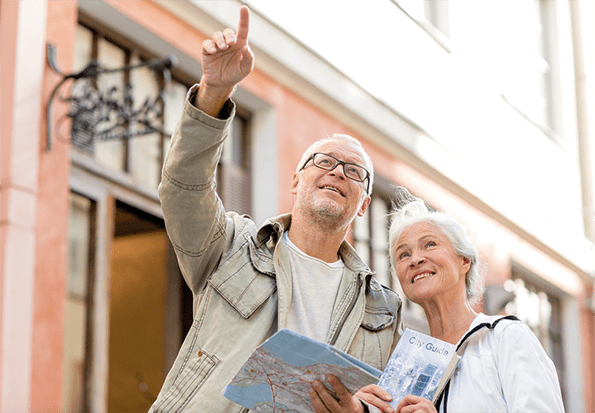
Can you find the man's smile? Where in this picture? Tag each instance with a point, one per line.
(334, 189)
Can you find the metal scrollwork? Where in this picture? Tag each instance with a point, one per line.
(107, 115)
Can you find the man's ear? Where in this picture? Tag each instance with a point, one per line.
(364, 207)
(294, 183)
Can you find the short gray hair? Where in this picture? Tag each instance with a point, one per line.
(408, 210)
(337, 137)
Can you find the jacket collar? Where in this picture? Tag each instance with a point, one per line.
(273, 228)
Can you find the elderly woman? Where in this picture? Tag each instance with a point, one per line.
(503, 366)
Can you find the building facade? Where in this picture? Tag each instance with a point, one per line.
(482, 108)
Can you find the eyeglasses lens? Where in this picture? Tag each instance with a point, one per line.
(352, 171)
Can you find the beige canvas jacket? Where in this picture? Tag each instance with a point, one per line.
(241, 280)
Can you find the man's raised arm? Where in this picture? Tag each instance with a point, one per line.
(226, 61)
(194, 217)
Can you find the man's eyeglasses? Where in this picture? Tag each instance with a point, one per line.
(351, 170)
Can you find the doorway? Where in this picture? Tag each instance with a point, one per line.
(127, 308)
(148, 306)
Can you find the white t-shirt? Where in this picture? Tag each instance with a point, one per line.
(314, 287)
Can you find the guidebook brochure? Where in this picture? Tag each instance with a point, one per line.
(420, 365)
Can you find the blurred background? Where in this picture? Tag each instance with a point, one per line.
(484, 108)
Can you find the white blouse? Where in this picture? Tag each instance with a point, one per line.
(504, 370)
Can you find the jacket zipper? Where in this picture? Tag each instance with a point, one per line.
(335, 335)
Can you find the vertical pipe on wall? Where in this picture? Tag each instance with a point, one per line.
(582, 121)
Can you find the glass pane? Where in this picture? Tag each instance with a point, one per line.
(234, 147)
(379, 216)
(145, 156)
(78, 246)
(166, 145)
(79, 233)
(363, 249)
(527, 83)
(237, 132)
(381, 267)
(361, 230)
(380, 223)
(145, 150)
(83, 48)
(111, 153)
(174, 105)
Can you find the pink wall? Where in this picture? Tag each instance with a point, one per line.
(52, 228)
(8, 28)
(588, 350)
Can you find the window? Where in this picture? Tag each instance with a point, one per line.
(80, 267)
(233, 173)
(542, 312)
(141, 156)
(529, 78)
(370, 235)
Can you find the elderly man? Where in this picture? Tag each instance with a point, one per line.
(296, 271)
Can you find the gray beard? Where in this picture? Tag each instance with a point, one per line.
(329, 216)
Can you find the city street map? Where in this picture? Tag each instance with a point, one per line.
(278, 374)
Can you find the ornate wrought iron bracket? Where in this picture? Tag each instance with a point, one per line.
(90, 107)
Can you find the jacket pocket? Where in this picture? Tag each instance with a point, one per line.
(241, 284)
(377, 319)
(189, 380)
(373, 342)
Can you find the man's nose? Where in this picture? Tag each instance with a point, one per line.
(339, 171)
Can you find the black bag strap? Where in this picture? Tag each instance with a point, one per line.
(491, 326)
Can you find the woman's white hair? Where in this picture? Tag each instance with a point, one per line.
(337, 137)
(408, 210)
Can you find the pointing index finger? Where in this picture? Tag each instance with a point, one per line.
(244, 24)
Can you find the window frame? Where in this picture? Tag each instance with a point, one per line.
(413, 315)
(132, 51)
(546, 50)
(559, 354)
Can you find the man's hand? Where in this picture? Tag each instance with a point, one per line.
(324, 402)
(226, 60)
(415, 404)
(344, 402)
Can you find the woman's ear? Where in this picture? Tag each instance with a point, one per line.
(466, 264)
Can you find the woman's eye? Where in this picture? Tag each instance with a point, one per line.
(403, 255)
(430, 244)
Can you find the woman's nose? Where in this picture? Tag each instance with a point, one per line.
(416, 259)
